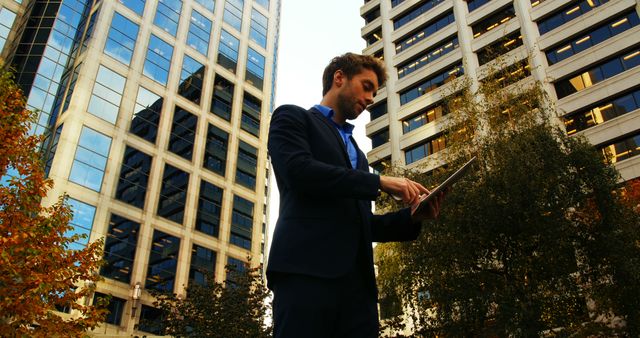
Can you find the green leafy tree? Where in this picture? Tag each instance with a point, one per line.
(234, 309)
(536, 240)
(38, 272)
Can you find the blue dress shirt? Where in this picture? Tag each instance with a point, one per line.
(346, 131)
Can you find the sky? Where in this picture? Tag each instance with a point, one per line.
(311, 33)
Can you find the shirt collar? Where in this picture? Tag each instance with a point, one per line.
(328, 113)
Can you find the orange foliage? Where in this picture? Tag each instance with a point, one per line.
(37, 272)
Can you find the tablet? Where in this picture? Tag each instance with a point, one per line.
(424, 200)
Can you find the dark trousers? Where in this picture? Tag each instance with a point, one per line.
(306, 306)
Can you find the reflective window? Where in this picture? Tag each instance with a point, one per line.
(500, 47)
(183, 133)
(134, 177)
(228, 51)
(203, 265)
(135, 5)
(371, 15)
(199, 33)
(622, 149)
(259, 24)
(81, 222)
(121, 39)
(474, 4)
(163, 260)
(241, 222)
(150, 320)
(380, 138)
(168, 15)
(215, 153)
(602, 112)
(599, 73)
(494, 20)
(427, 57)
(158, 60)
(208, 4)
(373, 37)
(394, 3)
(431, 84)
(592, 37)
(191, 79)
(173, 194)
(510, 74)
(567, 13)
(222, 98)
(209, 209)
(255, 68)
(422, 33)
(90, 159)
(120, 249)
(263, 3)
(422, 150)
(146, 116)
(52, 150)
(379, 166)
(423, 117)
(115, 308)
(423, 8)
(378, 110)
(107, 94)
(246, 166)
(233, 13)
(237, 266)
(251, 107)
(6, 21)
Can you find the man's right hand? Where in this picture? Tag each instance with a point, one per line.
(403, 188)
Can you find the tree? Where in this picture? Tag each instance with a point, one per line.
(236, 308)
(534, 241)
(38, 273)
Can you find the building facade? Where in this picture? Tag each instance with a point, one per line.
(585, 53)
(156, 116)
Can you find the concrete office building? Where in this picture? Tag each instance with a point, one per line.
(156, 120)
(585, 52)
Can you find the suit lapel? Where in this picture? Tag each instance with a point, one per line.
(334, 131)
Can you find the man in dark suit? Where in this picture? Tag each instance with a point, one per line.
(320, 265)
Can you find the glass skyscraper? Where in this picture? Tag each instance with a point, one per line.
(155, 115)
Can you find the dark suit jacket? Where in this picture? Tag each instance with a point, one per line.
(325, 204)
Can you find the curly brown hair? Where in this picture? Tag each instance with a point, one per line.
(352, 64)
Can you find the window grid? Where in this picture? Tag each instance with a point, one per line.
(121, 39)
(90, 159)
(598, 73)
(199, 33)
(431, 84)
(191, 79)
(168, 15)
(247, 165)
(241, 222)
(423, 33)
(593, 37)
(425, 7)
(203, 264)
(567, 13)
(183, 133)
(134, 177)
(209, 209)
(173, 194)
(120, 249)
(233, 13)
(420, 151)
(145, 120)
(158, 60)
(602, 112)
(255, 68)
(259, 24)
(81, 223)
(215, 154)
(228, 51)
(107, 95)
(427, 57)
(163, 260)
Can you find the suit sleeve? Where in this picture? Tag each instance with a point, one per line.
(394, 227)
(292, 159)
